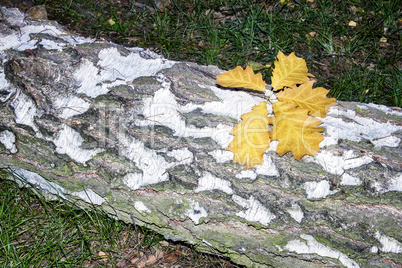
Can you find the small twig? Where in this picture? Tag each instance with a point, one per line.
(33, 37)
(376, 139)
(135, 228)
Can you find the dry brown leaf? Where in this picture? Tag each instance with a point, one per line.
(159, 254)
(134, 260)
(141, 264)
(173, 256)
(103, 256)
(122, 263)
(165, 243)
(151, 260)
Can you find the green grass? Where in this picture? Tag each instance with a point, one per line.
(36, 233)
(350, 61)
(39, 233)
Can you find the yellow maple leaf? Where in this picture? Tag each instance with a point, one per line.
(239, 77)
(295, 131)
(305, 97)
(288, 71)
(251, 137)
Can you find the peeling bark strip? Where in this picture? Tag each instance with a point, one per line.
(128, 130)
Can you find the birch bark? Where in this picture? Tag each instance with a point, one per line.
(134, 133)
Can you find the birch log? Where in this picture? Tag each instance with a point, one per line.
(134, 133)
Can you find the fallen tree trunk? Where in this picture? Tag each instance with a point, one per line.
(127, 130)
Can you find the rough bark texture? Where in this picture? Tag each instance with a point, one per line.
(137, 134)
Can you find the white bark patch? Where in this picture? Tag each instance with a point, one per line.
(296, 212)
(7, 138)
(113, 69)
(233, 103)
(208, 182)
(68, 141)
(390, 141)
(36, 180)
(69, 106)
(338, 164)
(349, 180)
(141, 207)
(361, 128)
(385, 109)
(89, 196)
(267, 167)
(247, 174)
(115, 66)
(317, 190)
(91, 82)
(255, 212)
(273, 146)
(183, 156)
(25, 110)
(396, 183)
(374, 249)
(392, 184)
(389, 244)
(221, 156)
(163, 109)
(207, 243)
(49, 44)
(39, 182)
(135, 180)
(5, 86)
(196, 212)
(311, 246)
(14, 16)
(153, 166)
(22, 40)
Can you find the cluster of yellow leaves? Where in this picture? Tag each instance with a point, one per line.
(293, 124)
